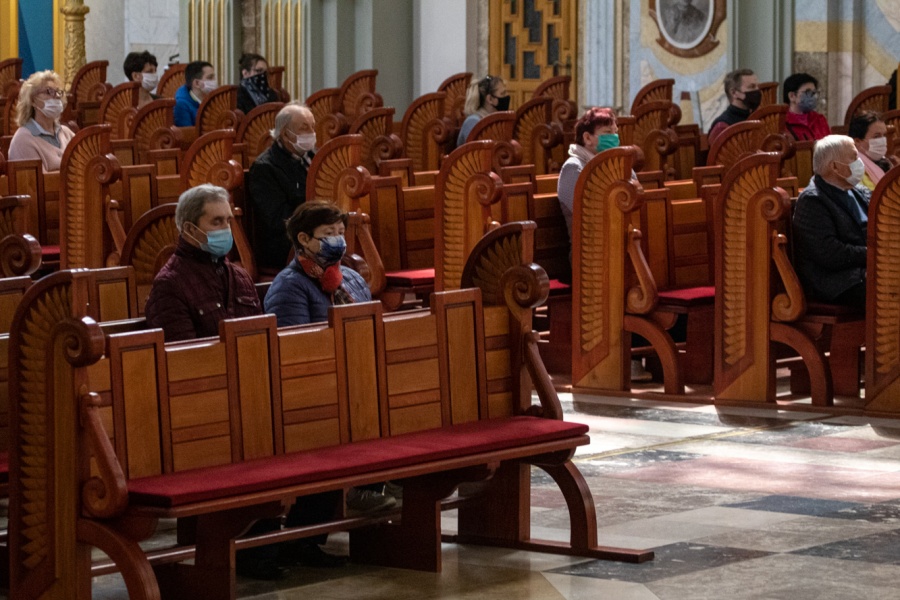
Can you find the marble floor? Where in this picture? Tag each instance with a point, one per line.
(736, 503)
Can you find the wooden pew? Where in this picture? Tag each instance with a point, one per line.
(170, 80)
(752, 226)
(8, 114)
(219, 111)
(27, 178)
(87, 91)
(654, 91)
(253, 137)
(455, 87)
(425, 131)
(10, 74)
(379, 142)
(565, 112)
(874, 98)
(321, 103)
(20, 253)
(769, 91)
(650, 128)
(156, 139)
(538, 134)
(118, 108)
(384, 386)
(275, 77)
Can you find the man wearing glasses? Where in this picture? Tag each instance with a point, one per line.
(40, 134)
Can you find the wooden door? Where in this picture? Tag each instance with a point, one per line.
(530, 41)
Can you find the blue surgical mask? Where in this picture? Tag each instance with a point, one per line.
(218, 242)
(607, 141)
(331, 249)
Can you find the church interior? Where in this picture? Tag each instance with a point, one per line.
(605, 304)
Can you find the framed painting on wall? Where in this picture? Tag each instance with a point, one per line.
(687, 27)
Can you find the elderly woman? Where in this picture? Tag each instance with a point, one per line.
(869, 133)
(40, 134)
(482, 98)
(254, 88)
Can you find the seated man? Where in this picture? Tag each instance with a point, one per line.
(800, 92)
(829, 226)
(742, 90)
(141, 67)
(278, 183)
(199, 81)
(199, 286)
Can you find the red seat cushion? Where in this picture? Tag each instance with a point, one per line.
(346, 460)
(410, 278)
(558, 287)
(814, 309)
(689, 296)
(49, 250)
(4, 466)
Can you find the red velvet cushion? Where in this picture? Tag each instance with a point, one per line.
(689, 296)
(49, 250)
(410, 278)
(557, 287)
(224, 481)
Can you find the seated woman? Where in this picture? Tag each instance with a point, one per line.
(254, 88)
(869, 133)
(482, 98)
(800, 92)
(40, 134)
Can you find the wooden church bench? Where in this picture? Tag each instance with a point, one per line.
(20, 253)
(42, 214)
(430, 398)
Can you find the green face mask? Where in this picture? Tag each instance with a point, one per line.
(607, 141)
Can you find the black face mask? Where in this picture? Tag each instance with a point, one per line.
(752, 99)
(503, 103)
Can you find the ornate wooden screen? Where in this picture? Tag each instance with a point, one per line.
(530, 41)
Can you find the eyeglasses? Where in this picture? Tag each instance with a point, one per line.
(811, 93)
(53, 93)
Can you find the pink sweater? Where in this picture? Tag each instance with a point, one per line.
(26, 146)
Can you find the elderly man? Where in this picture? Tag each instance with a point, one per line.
(829, 226)
(198, 286)
(744, 96)
(278, 183)
(199, 81)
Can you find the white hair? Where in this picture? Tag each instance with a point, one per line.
(283, 118)
(828, 150)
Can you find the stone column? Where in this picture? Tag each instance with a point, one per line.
(75, 57)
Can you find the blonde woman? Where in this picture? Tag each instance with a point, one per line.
(483, 97)
(40, 134)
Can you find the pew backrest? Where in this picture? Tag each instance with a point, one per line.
(171, 79)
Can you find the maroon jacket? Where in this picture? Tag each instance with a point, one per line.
(193, 292)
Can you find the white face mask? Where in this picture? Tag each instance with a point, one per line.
(303, 142)
(149, 81)
(857, 170)
(877, 148)
(52, 108)
(209, 85)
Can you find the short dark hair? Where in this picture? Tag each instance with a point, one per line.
(592, 119)
(859, 125)
(248, 59)
(733, 80)
(794, 83)
(135, 62)
(310, 215)
(194, 70)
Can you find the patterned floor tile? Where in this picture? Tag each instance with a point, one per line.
(813, 507)
(883, 548)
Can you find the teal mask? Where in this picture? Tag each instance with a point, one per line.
(218, 242)
(607, 141)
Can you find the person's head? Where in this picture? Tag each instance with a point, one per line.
(252, 64)
(203, 217)
(742, 89)
(295, 128)
(141, 67)
(488, 93)
(42, 92)
(597, 130)
(200, 78)
(316, 229)
(836, 160)
(800, 92)
(869, 133)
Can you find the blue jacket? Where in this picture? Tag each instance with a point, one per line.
(295, 298)
(185, 107)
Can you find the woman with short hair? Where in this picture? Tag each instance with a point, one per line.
(869, 133)
(40, 134)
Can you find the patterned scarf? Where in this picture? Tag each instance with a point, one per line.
(330, 279)
(258, 88)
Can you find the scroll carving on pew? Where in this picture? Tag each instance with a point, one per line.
(88, 168)
(873, 98)
(769, 91)
(8, 114)
(153, 128)
(736, 142)
(88, 88)
(656, 90)
(150, 243)
(425, 131)
(336, 174)
(219, 110)
(119, 107)
(20, 253)
(499, 127)
(209, 160)
(379, 142)
(465, 190)
(253, 133)
(883, 299)
(557, 88)
(773, 120)
(649, 128)
(538, 134)
(170, 80)
(357, 95)
(321, 104)
(455, 87)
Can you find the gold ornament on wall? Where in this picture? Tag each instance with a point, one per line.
(687, 28)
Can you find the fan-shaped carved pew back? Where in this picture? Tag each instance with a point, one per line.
(777, 139)
(20, 253)
(219, 110)
(10, 72)
(209, 160)
(499, 127)
(873, 98)
(153, 128)
(253, 134)
(735, 143)
(455, 87)
(748, 206)
(337, 175)
(882, 293)
(379, 143)
(891, 118)
(657, 90)
(769, 91)
(465, 189)
(171, 79)
(358, 95)
(275, 76)
(88, 88)
(150, 243)
(425, 131)
(8, 114)
(87, 169)
(648, 128)
(119, 107)
(321, 104)
(538, 134)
